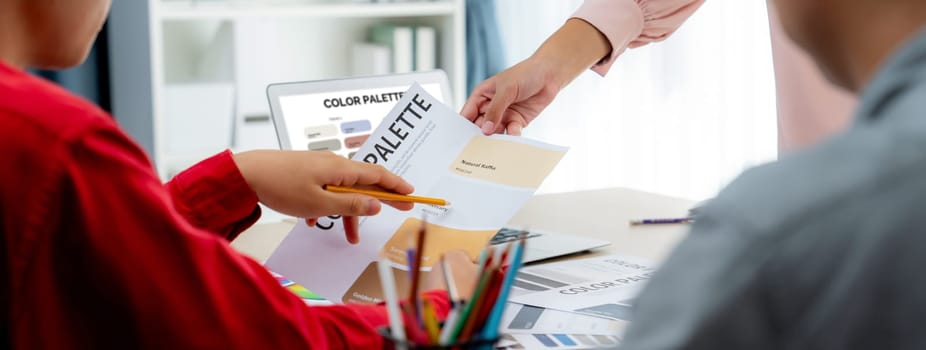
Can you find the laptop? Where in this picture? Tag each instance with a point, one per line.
(338, 114)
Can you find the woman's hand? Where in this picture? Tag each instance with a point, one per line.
(291, 182)
(510, 100)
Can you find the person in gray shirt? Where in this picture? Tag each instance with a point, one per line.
(823, 249)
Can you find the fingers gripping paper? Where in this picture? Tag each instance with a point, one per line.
(486, 178)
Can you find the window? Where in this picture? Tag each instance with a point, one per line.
(681, 117)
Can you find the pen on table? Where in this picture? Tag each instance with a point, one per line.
(388, 196)
(662, 221)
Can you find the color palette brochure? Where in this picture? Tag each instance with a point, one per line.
(531, 327)
(486, 178)
(528, 319)
(603, 286)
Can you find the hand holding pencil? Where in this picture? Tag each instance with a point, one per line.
(292, 183)
(401, 201)
(388, 196)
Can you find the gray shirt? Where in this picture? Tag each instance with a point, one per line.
(824, 249)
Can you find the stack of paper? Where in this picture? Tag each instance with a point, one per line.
(576, 304)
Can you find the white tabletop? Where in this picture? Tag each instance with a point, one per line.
(606, 214)
(603, 214)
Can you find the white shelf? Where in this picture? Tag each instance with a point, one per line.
(250, 44)
(184, 11)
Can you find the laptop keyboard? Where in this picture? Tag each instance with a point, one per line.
(507, 235)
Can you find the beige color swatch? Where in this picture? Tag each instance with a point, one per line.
(506, 162)
(439, 239)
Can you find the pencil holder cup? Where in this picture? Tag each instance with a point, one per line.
(390, 343)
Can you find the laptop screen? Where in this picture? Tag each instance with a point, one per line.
(339, 121)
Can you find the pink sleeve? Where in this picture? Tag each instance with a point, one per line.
(633, 23)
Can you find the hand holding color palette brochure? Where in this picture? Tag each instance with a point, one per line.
(486, 178)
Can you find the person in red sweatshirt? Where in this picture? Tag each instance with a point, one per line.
(98, 253)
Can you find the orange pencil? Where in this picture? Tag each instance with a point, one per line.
(388, 196)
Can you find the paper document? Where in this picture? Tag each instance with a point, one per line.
(531, 327)
(486, 178)
(520, 318)
(602, 286)
(558, 341)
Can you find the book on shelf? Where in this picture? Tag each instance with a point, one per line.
(400, 40)
(371, 59)
(413, 48)
(425, 48)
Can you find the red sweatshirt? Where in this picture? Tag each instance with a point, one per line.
(98, 253)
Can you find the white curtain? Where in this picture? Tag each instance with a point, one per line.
(681, 117)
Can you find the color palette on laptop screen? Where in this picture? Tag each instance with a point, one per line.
(339, 122)
(340, 138)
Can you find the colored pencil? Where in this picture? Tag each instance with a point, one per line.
(449, 324)
(388, 196)
(490, 331)
(430, 321)
(448, 279)
(416, 272)
(387, 279)
(468, 308)
(455, 303)
(481, 311)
